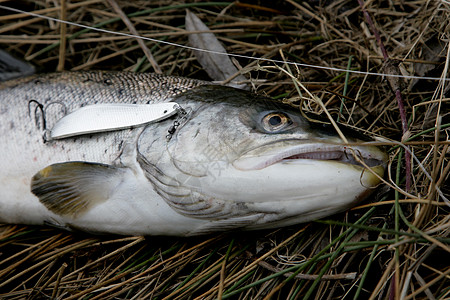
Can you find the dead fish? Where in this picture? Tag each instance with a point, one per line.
(228, 160)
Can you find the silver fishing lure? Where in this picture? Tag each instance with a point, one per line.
(97, 118)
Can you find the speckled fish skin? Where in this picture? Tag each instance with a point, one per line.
(21, 127)
(238, 160)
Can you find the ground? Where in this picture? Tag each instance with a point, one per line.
(393, 245)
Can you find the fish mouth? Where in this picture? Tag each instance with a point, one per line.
(284, 152)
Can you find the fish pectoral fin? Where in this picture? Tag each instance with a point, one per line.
(72, 188)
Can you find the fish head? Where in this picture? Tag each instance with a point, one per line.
(236, 154)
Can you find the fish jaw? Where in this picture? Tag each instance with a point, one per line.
(294, 191)
(294, 150)
(295, 181)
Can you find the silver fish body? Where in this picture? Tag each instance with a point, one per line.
(235, 160)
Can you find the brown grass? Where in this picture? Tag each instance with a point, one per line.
(394, 245)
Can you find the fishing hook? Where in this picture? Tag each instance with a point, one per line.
(40, 107)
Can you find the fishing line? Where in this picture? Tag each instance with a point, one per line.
(221, 53)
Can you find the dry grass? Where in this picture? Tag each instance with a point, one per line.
(395, 244)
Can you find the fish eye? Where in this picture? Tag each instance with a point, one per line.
(275, 121)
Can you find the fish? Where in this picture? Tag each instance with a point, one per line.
(227, 160)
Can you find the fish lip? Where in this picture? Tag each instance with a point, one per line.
(315, 151)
